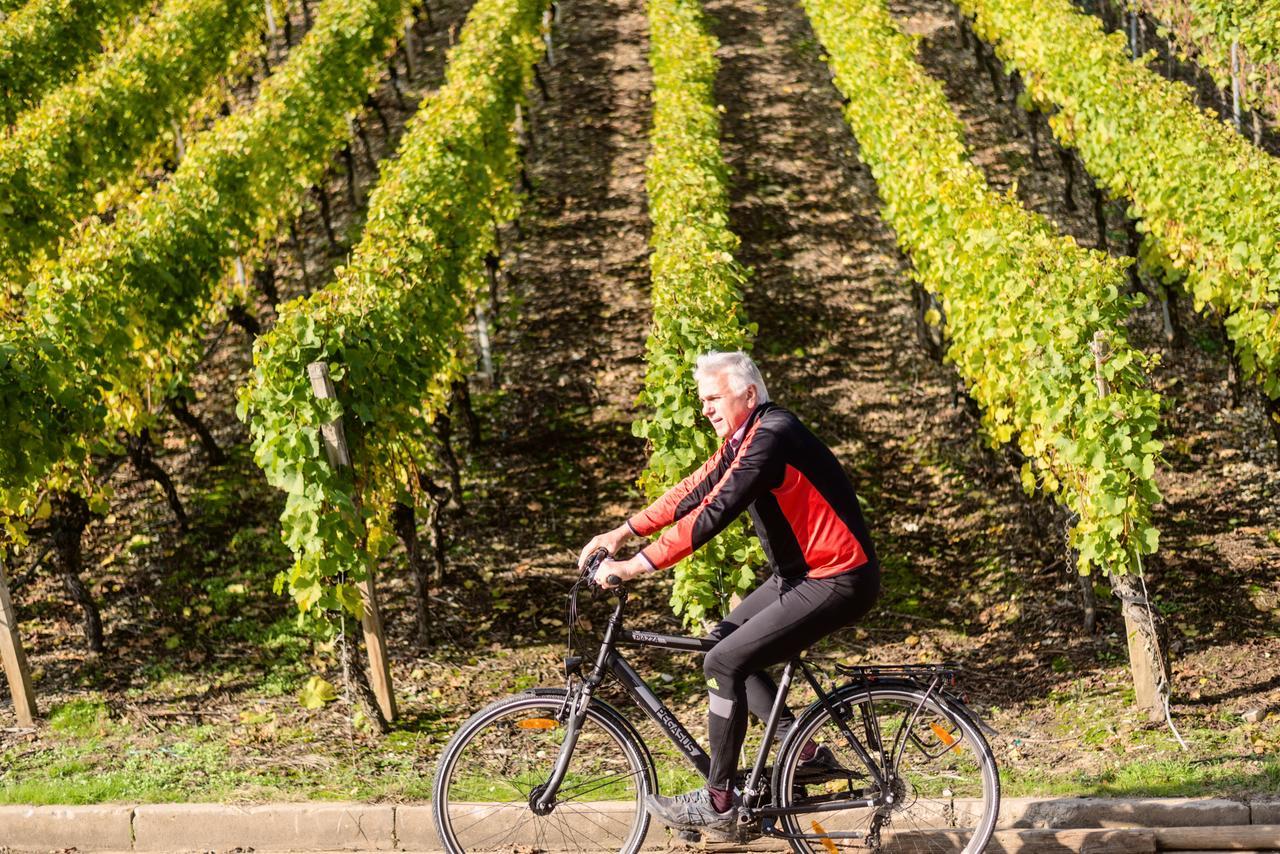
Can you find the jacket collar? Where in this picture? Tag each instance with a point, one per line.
(730, 444)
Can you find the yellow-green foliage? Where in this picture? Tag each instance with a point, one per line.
(1207, 200)
(44, 42)
(108, 332)
(389, 326)
(1023, 304)
(92, 130)
(1203, 31)
(697, 290)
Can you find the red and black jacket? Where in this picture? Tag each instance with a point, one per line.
(804, 507)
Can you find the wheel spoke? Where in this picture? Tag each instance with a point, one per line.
(605, 815)
(510, 831)
(484, 816)
(489, 770)
(603, 781)
(950, 764)
(567, 830)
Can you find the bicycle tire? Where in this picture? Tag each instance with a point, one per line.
(948, 797)
(480, 798)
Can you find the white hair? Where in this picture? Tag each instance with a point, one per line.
(736, 367)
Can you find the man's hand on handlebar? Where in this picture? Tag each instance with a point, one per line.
(610, 542)
(622, 570)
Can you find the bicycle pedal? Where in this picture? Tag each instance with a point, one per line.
(735, 835)
(692, 837)
(747, 830)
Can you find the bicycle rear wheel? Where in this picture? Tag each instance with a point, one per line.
(945, 787)
(492, 765)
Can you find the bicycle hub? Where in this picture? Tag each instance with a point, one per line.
(535, 797)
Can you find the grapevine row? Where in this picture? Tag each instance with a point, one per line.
(1204, 31)
(696, 289)
(1022, 304)
(109, 331)
(392, 326)
(44, 43)
(1207, 200)
(91, 131)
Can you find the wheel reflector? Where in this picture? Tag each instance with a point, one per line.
(826, 842)
(945, 737)
(538, 723)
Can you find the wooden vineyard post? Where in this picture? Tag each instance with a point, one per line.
(547, 20)
(271, 18)
(335, 448)
(1235, 85)
(410, 48)
(15, 661)
(1146, 659)
(179, 144)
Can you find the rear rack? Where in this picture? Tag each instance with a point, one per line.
(942, 677)
(928, 672)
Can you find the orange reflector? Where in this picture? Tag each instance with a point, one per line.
(826, 842)
(945, 737)
(538, 723)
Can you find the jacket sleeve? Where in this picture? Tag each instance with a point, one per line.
(751, 474)
(679, 499)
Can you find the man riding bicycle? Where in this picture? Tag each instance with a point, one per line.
(806, 515)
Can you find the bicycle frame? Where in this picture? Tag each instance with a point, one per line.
(610, 661)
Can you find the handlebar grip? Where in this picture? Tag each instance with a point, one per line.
(594, 560)
(614, 580)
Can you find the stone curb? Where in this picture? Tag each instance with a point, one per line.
(85, 828)
(1060, 813)
(320, 826)
(279, 827)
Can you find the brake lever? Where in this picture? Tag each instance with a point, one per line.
(594, 560)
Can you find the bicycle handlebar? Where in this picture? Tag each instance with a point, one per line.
(594, 560)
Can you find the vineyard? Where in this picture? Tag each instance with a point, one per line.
(332, 329)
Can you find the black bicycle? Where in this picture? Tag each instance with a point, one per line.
(559, 769)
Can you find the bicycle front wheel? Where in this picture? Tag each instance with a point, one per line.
(938, 770)
(484, 789)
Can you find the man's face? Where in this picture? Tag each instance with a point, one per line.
(724, 409)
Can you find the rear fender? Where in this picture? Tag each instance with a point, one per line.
(852, 690)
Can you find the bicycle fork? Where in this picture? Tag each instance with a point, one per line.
(543, 797)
